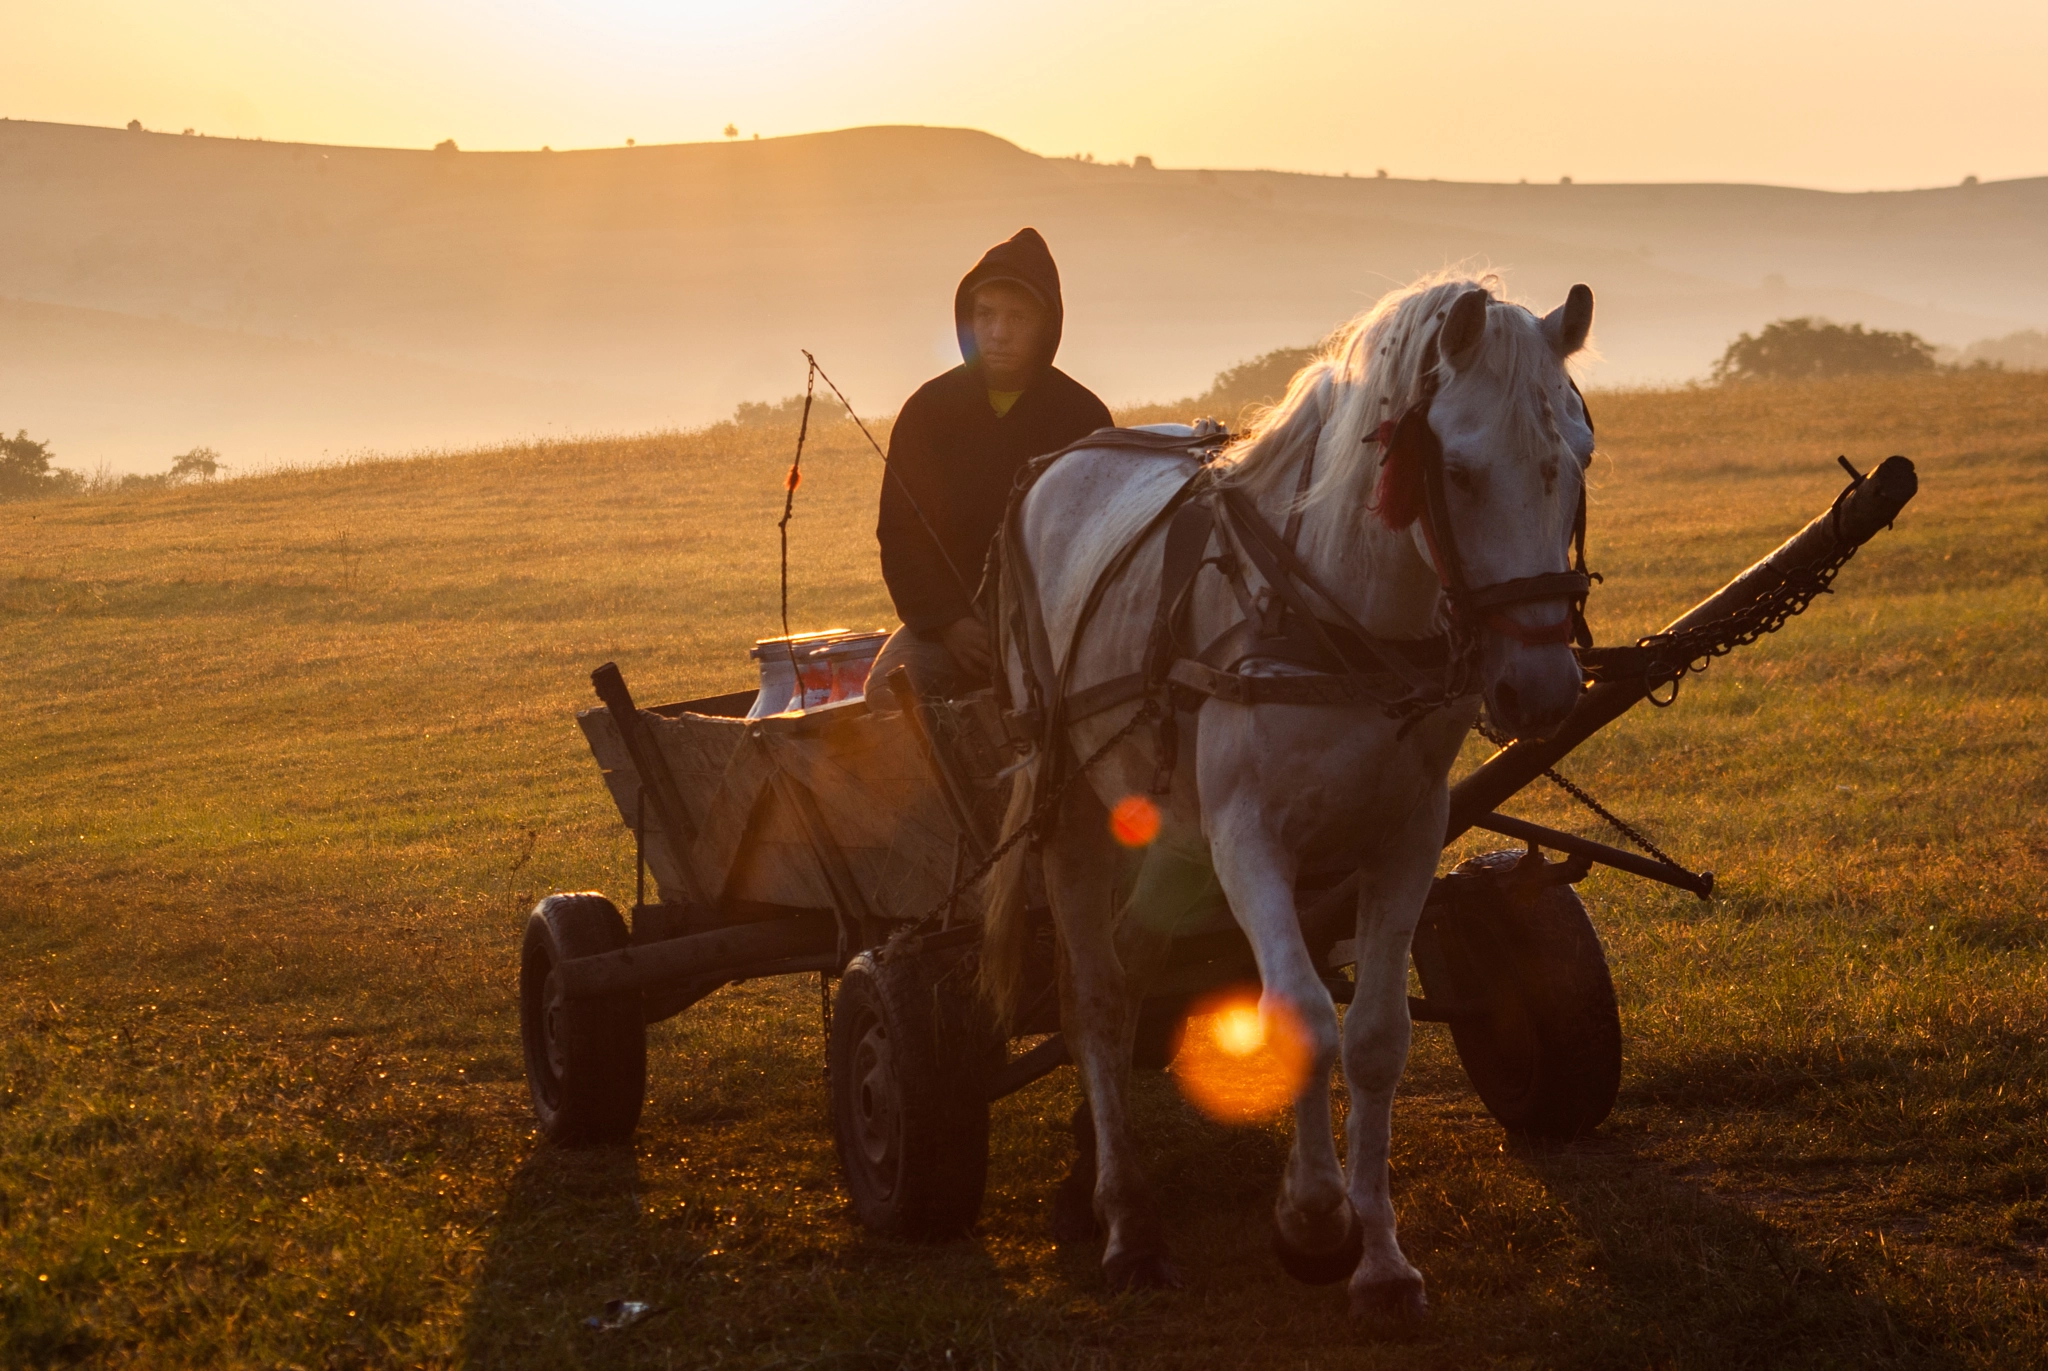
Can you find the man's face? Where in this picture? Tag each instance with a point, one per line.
(1008, 326)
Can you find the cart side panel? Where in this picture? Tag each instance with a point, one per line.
(623, 782)
(859, 774)
(881, 805)
(699, 749)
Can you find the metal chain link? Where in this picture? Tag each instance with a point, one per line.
(1621, 825)
(1692, 649)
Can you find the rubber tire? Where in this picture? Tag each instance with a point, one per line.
(1547, 1060)
(586, 1062)
(908, 1066)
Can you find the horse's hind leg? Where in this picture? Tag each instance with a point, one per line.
(1376, 1034)
(1098, 1014)
(1073, 1203)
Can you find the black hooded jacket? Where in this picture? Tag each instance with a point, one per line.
(957, 458)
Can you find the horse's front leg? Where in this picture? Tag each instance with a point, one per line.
(1376, 1033)
(1314, 1230)
(1098, 1015)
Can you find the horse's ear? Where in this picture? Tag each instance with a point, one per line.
(1567, 326)
(1458, 344)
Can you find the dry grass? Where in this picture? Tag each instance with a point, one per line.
(287, 759)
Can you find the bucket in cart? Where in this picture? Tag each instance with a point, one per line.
(807, 670)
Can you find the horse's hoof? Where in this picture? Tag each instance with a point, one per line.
(1322, 1268)
(1140, 1271)
(1398, 1301)
(1073, 1215)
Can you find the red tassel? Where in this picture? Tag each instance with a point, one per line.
(1399, 497)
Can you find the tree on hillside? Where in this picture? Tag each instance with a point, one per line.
(25, 470)
(1803, 349)
(2026, 350)
(200, 464)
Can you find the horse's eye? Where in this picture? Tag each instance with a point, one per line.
(1462, 479)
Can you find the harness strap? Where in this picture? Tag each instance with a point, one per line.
(1053, 759)
(1283, 568)
(1234, 687)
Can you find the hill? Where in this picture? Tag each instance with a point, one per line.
(290, 756)
(629, 288)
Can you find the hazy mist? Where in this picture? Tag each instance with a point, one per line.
(287, 302)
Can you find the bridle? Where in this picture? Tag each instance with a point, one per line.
(1411, 487)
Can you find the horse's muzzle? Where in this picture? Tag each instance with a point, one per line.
(1539, 686)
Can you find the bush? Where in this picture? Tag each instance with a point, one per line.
(26, 473)
(825, 409)
(1261, 381)
(1803, 349)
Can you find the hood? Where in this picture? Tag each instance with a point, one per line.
(1026, 260)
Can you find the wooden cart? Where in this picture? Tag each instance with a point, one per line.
(822, 842)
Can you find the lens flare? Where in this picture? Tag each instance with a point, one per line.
(1238, 1065)
(1238, 1030)
(1135, 821)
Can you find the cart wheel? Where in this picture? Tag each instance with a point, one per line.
(1547, 1059)
(586, 1062)
(908, 1065)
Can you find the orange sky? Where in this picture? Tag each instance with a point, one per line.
(1878, 93)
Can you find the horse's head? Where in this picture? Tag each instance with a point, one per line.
(1502, 488)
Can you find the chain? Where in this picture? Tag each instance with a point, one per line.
(1621, 825)
(1692, 649)
(1040, 813)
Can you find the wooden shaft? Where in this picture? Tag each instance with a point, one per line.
(722, 951)
(1850, 522)
(1699, 883)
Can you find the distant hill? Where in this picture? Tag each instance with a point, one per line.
(281, 301)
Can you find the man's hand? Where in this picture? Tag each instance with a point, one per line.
(967, 640)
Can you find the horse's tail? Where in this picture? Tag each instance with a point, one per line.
(1005, 931)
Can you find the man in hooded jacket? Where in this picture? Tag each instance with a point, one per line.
(955, 451)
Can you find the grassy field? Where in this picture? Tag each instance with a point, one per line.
(287, 759)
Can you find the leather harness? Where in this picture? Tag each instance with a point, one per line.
(1339, 662)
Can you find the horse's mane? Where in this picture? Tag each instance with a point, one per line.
(1371, 370)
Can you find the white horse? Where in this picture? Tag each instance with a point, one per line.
(1270, 790)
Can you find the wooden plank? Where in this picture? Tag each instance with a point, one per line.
(832, 866)
(730, 815)
(879, 803)
(602, 732)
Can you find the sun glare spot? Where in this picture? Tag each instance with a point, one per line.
(1238, 1030)
(1135, 821)
(1240, 1066)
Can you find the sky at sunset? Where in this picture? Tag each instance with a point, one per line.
(1873, 94)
